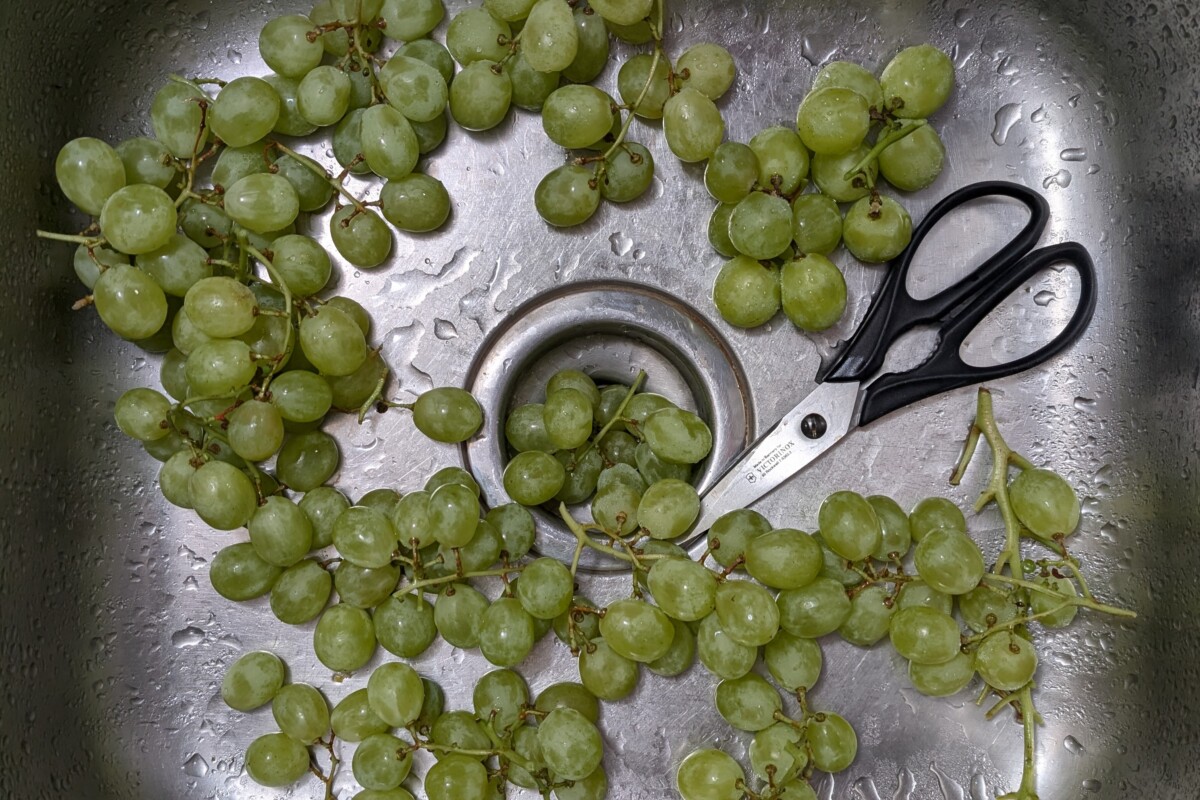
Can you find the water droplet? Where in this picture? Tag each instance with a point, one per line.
(1085, 403)
(1073, 154)
(498, 169)
(1040, 115)
(950, 789)
(1093, 169)
(1092, 785)
(190, 583)
(865, 788)
(979, 789)
(1073, 100)
(1006, 67)
(1073, 744)
(196, 766)
(187, 637)
(1061, 179)
(814, 52)
(639, 254)
(1044, 298)
(621, 244)
(444, 329)
(234, 56)
(1006, 117)
(962, 17)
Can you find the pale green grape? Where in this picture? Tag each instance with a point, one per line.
(782, 159)
(530, 88)
(849, 525)
(307, 460)
(748, 703)
(692, 125)
(506, 633)
(707, 68)
(949, 561)
(411, 19)
(178, 120)
(89, 265)
(1044, 502)
(221, 307)
(353, 720)
(430, 135)
(568, 195)
(456, 777)
(732, 170)
(794, 662)
(415, 202)
(475, 35)
(984, 607)
(276, 759)
(480, 95)
(574, 379)
(323, 96)
(223, 496)
(876, 229)
(431, 52)
(252, 681)
(237, 573)
(206, 225)
(917, 82)
(405, 626)
(813, 610)
(302, 263)
(833, 121)
(545, 588)
(710, 775)
(747, 613)
(89, 172)
(637, 630)
(593, 787)
(382, 500)
(457, 614)
(549, 39)
(569, 695)
(280, 532)
(289, 123)
(235, 163)
(628, 174)
(301, 712)
(500, 696)
(631, 82)
(1058, 614)
(570, 744)
(623, 12)
(870, 617)
(301, 592)
(576, 115)
(924, 635)
(619, 448)
(301, 396)
(411, 519)
(389, 143)
(916, 593)
(677, 436)
(138, 219)
(640, 406)
(516, 527)
(353, 390)
(148, 161)
(377, 763)
(173, 374)
(447, 414)
(244, 111)
(942, 680)
(309, 179)
(813, 292)
(893, 523)
(784, 559)
(829, 174)
(848, 75)
(680, 656)
(718, 230)
(174, 479)
(284, 46)
(832, 741)
(332, 341)
(567, 416)
(448, 475)
(614, 507)
(591, 55)
(915, 161)
(816, 224)
(777, 753)
(653, 469)
(177, 265)
(142, 414)
(509, 10)
(344, 639)
(364, 537)
(1006, 661)
(606, 673)
(525, 429)
(732, 532)
(365, 587)
(933, 513)
(683, 589)
(395, 693)
(668, 508)
(453, 514)
(263, 202)
(760, 226)
(347, 142)
(323, 505)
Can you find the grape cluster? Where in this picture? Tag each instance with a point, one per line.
(631, 454)
(777, 237)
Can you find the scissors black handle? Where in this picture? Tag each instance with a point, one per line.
(957, 310)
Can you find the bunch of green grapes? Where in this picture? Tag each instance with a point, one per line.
(631, 454)
(778, 237)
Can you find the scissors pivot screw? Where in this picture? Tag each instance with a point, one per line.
(814, 426)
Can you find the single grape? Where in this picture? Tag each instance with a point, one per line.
(718, 230)
(732, 532)
(668, 508)
(142, 414)
(849, 525)
(407, 20)
(816, 224)
(614, 508)
(760, 226)
(848, 75)
(148, 161)
(813, 610)
(720, 653)
(637, 630)
(631, 82)
(414, 88)
(223, 496)
(89, 171)
(1045, 503)
(476, 35)
(606, 673)
(480, 96)
(784, 559)
(949, 561)
(569, 695)
(623, 12)
(812, 292)
(237, 573)
(986, 606)
(677, 436)
(710, 775)
(289, 123)
(794, 662)
(577, 115)
(280, 532)
(870, 617)
(323, 505)
(301, 592)
(285, 47)
(244, 111)
(361, 236)
(395, 693)
(176, 266)
(915, 161)
(747, 613)
(549, 39)
(453, 514)
(692, 125)
(332, 341)
(1006, 661)
(500, 696)
(174, 478)
(457, 614)
(829, 174)
(568, 195)
(680, 656)
(378, 763)
(506, 633)
(833, 121)
(933, 513)
(90, 262)
(876, 229)
(307, 460)
(782, 158)
(221, 307)
(138, 219)
(545, 588)
(344, 638)
(942, 680)
(431, 52)
(447, 414)
(530, 88)
(301, 712)
(917, 81)
(534, 477)
(707, 68)
(276, 759)
(832, 741)
(388, 141)
(777, 753)
(893, 524)
(323, 96)
(364, 537)
(509, 10)
(456, 777)
(353, 720)
(628, 173)
(916, 593)
(570, 744)
(178, 120)
(731, 172)
(748, 703)
(924, 635)
(516, 528)
(347, 142)
(415, 203)
(252, 681)
(591, 55)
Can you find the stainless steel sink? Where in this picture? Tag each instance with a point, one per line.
(113, 644)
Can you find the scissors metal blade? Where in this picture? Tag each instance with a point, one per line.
(783, 451)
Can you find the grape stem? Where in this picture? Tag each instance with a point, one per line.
(1083, 601)
(1029, 717)
(318, 170)
(90, 241)
(417, 586)
(895, 135)
(584, 540)
(616, 417)
(289, 309)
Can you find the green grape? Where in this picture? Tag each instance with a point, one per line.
(833, 121)
(252, 681)
(142, 414)
(747, 613)
(138, 219)
(178, 119)
(344, 638)
(147, 161)
(414, 88)
(816, 224)
(263, 202)
(545, 588)
(509, 10)
(707, 68)
(683, 589)
(174, 479)
(916, 593)
(353, 720)
(176, 266)
(301, 592)
(915, 161)
(480, 95)
(456, 777)
(525, 429)
(323, 96)
(411, 19)
(567, 417)
(453, 514)
(307, 460)
(323, 505)
(876, 229)
(577, 115)
(244, 111)
(933, 513)
(530, 88)
(332, 341)
(917, 81)
(238, 574)
(289, 123)
(506, 633)
(204, 224)
(710, 775)
(221, 307)
(568, 195)
(606, 673)
(516, 527)
(680, 656)
(398, 793)
(777, 753)
(748, 703)
(447, 414)
(1006, 661)
(718, 230)
(949, 561)
(378, 763)
(848, 75)
(942, 680)
(383, 500)
(235, 163)
(732, 532)
(623, 12)
(388, 141)
(475, 35)
(89, 171)
(731, 172)
(347, 142)
(668, 508)
(1044, 502)
(924, 635)
(829, 174)
(352, 391)
(870, 617)
(832, 742)
(411, 520)
(893, 523)
(569, 695)
(500, 696)
(89, 264)
(457, 614)
(570, 744)
(641, 406)
(431, 52)
(677, 436)
(395, 693)
(813, 292)
(312, 186)
(985, 607)
(591, 55)
(364, 537)
(637, 630)
(549, 39)
(222, 495)
(534, 477)
(619, 448)
(430, 135)
(784, 559)
(593, 787)
(760, 226)
(404, 626)
(302, 263)
(631, 82)
(301, 712)
(795, 662)
(285, 47)
(628, 173)
(451, 475)
(574, 379)
(276, 759)
(622, 473)
(480, 553)
(614, 508)
(781, 158)
(280, 532)
(1057, 611)
(692, 125)
(524, 744)
(849, 525)
(415, 203)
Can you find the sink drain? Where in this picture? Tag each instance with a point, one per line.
(610, 330)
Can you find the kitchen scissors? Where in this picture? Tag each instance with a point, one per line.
(849, 392)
